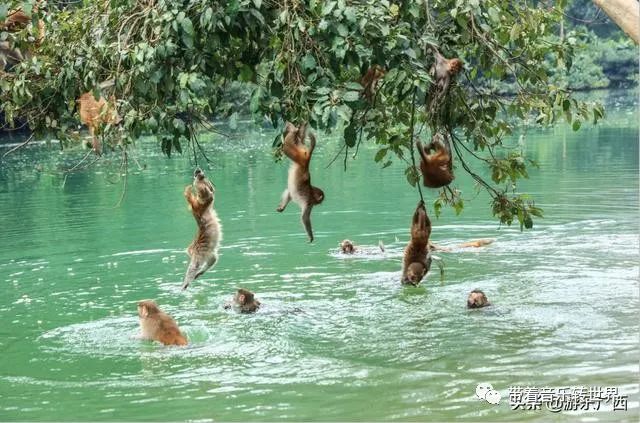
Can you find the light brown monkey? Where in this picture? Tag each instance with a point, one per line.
(476, 244)
(436, 163)
(156, 325)
(347, 247)
(443, 72)
(370, 80)
(95, 113)
(477, 299)
(299, 188)
(203, 250)
(417, 258)
(469, 244)
(244, 301)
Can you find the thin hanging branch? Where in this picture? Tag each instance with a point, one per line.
(413, 156)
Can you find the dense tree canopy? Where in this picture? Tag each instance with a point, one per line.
(172, 62)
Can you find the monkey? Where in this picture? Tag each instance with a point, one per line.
(244, 301)
(477, 299)
(370, 80)
(17, 20)
(443, 72)
(477, 243)
(436, 166)
(95, 113)
(347, 247)
(156, 325)
(299, 188)
(203, 250)
(417, 257)
(469, 244)
(436, 247)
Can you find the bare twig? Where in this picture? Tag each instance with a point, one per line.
(19, 146)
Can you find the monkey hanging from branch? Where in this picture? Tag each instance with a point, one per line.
(97, 113)
(443, 73)
(203, 250)
(299, 188)
(436, 161)
(369, 82)
(417, 258)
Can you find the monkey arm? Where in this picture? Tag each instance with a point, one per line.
(295, 152)
(312, 144)
(306, 220)
(286, 198)
(191, 199)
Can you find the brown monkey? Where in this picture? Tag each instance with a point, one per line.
(299, 188)
(156, 325)
(370, 80)
(477, 299)
(417, 259)
(347, 247)
(469, 244)
(244, 301)
(477, 243)
(203, 250)
(436, 247)
(95, 113)
(443, 72)
(17, 20)
(436, 166)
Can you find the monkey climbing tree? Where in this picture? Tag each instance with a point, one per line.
(172, 62)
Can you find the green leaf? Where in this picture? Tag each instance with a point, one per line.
(350, 135)
(381, 154)
(328, 7)
(576, 124)
(4, 10)
(350, 96)
(308, 62)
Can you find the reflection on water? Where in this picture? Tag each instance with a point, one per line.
(338, 337)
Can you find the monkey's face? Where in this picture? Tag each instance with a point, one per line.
(318, 195)
(146, 308)
(455, 66)
(415, 273)
(347, 247)
(477, 299)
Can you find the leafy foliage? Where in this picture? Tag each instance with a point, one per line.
(173, 60)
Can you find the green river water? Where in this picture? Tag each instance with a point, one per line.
(337, 338)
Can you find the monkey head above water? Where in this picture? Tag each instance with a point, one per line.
(244, 301)
(203, 250)
(347, 247)
(156, 325)
(477, 299)
(299, 188)
(417, 259)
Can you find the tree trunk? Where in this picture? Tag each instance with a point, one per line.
(625, 13)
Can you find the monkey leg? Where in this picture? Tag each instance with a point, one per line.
(306, 221)
(207, 265)
(286, 198)
(192, 272)
(197, 267)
